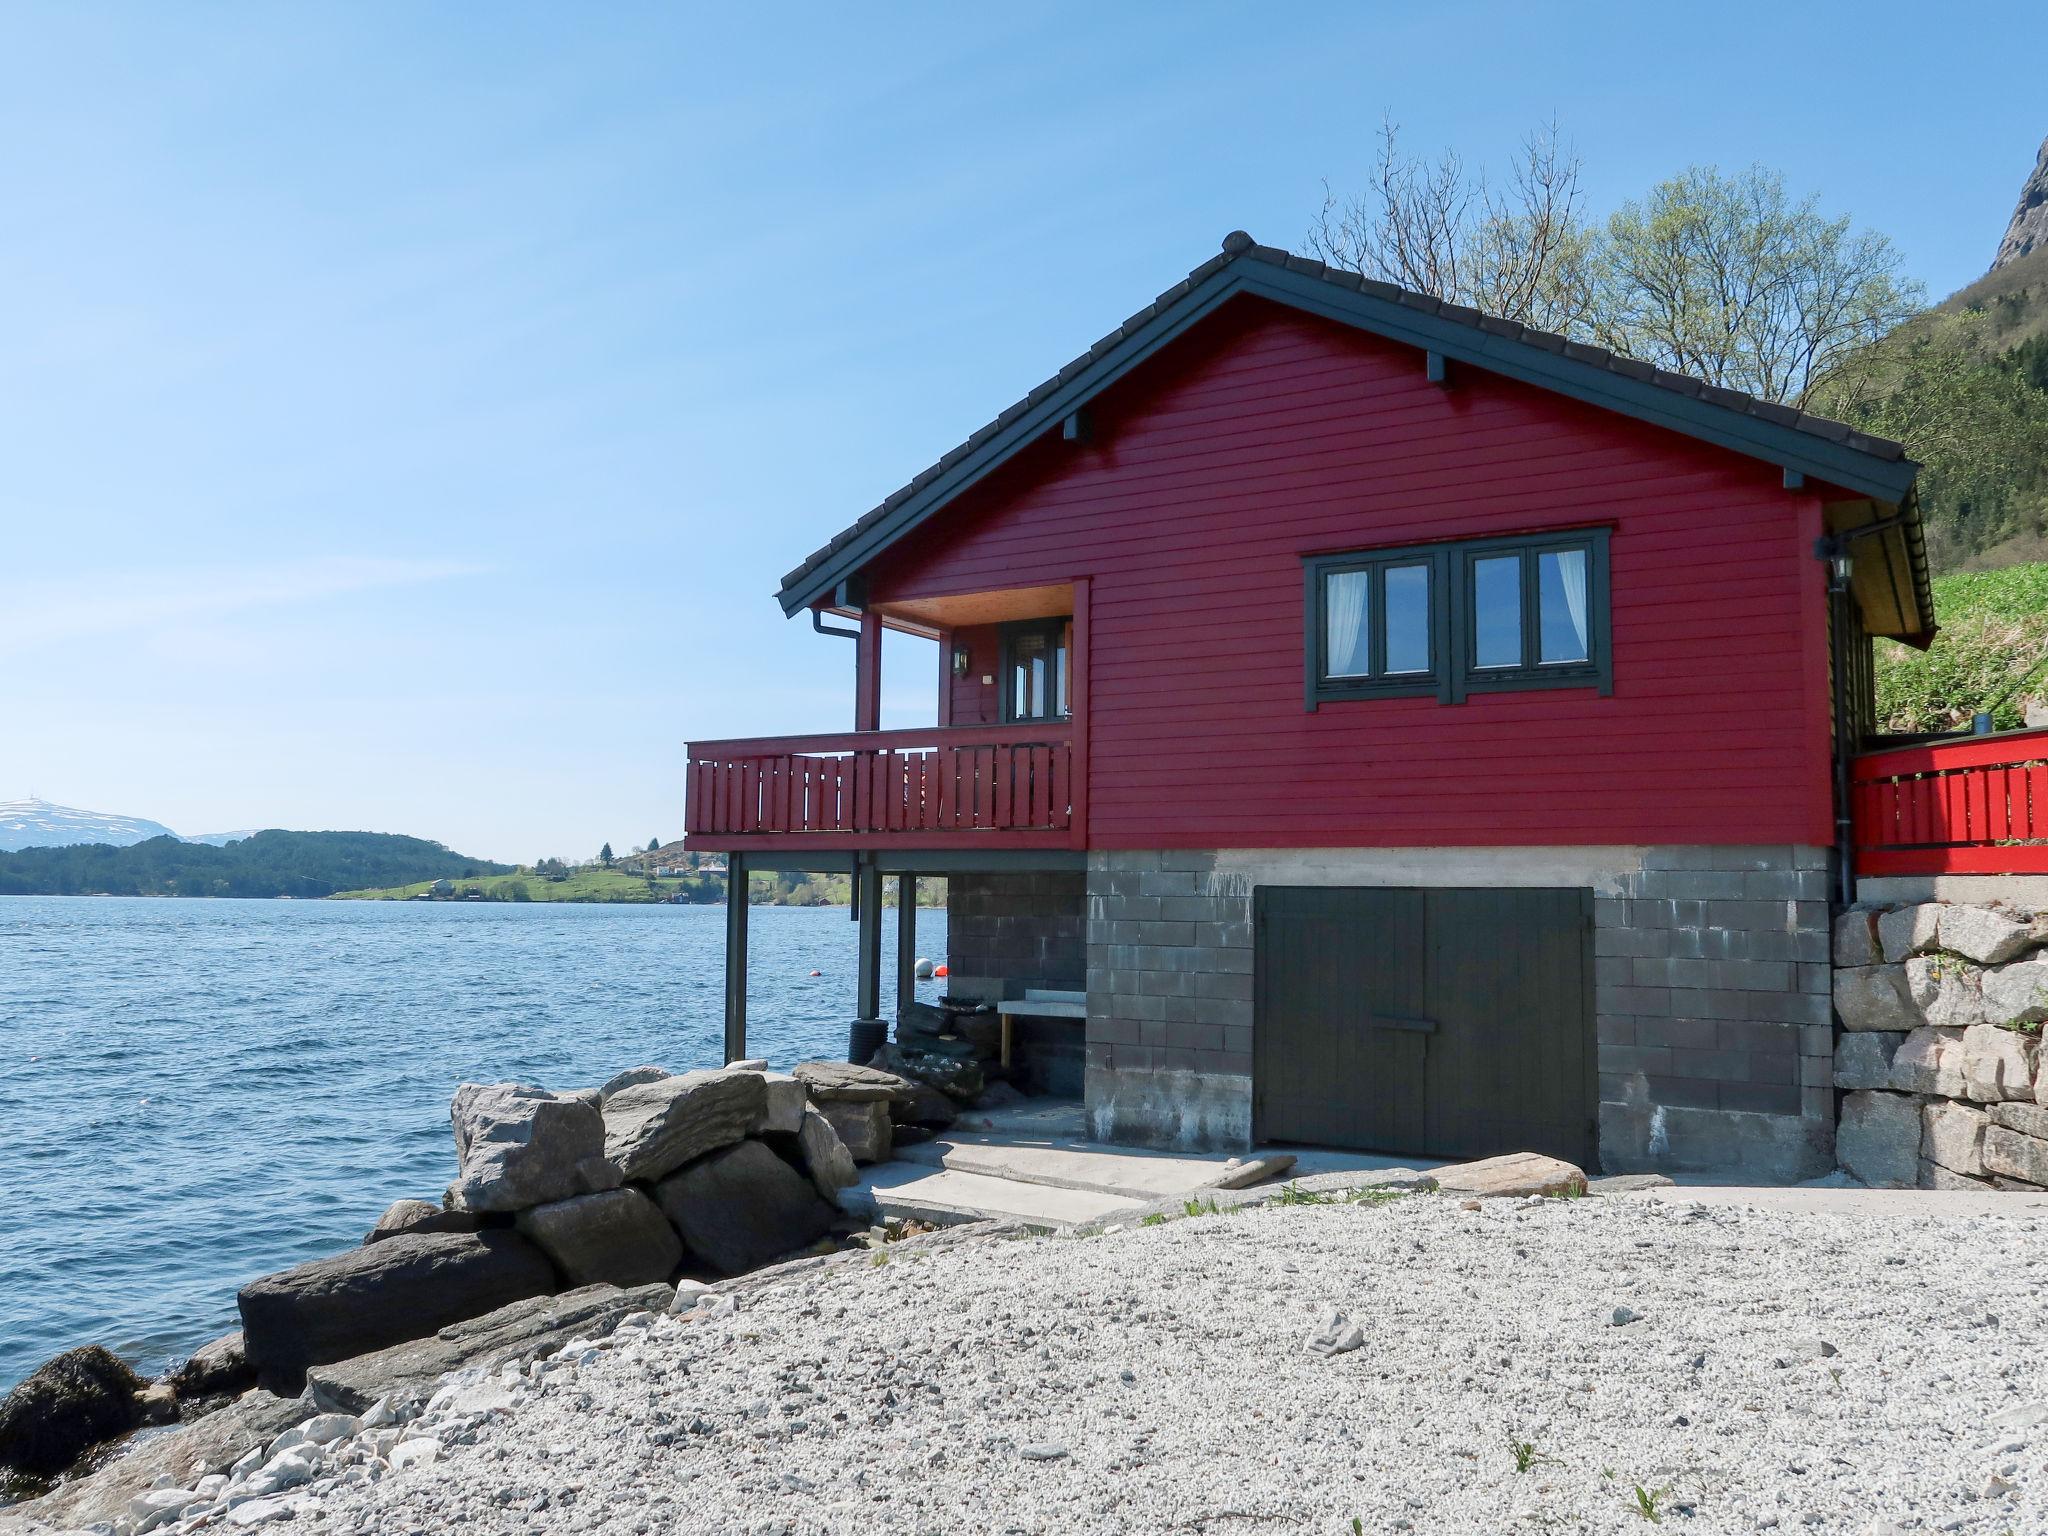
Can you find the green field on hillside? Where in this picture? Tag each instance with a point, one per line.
(578, 885)
(1991, 654)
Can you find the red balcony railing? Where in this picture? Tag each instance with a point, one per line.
(1976, 805)
(989, 785)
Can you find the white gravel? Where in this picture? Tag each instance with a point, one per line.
(1159, 1379)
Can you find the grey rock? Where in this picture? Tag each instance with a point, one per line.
(927, 1108)
(1334, 1334)
(2027, 1119)
(64, 1408)
(1628, 1183)
(418, 1216)
(1997, 1064)
(219, 1369)
(958, 1076)
(825, 1156)
(2016, 993)
(1910, 930)
(368, 1298)
(842, 1082)
(998, 1096)
(1877, 1139)
(1945, 990)
(748, 1064)
(1985, 934)
(863, 1125)
(785, 1102)
(2016, 1155)
(213, 1444)
(617, 1237)
(1875, 997)
(2028, 231)
(408, 1373)
(1863, 1058)
(1623, 1316)
(521, 1146)
(652, 1129)
(739, 1208)
(1934, 1176)
(1930, 1061)
(1952, 1136)
(1042, 1450)
(1856, 938)
(632, 1077)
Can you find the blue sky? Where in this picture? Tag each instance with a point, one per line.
(407, 411)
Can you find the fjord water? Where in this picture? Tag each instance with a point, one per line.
(196, 1092)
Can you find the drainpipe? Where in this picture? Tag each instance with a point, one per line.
(1832, 550)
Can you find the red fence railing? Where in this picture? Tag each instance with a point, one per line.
(1010, 784)
(1975, 805)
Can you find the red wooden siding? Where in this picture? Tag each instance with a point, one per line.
(975, 702)
(1268, 435)
(1977, 806)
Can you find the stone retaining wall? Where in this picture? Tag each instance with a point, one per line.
(1941, 1006)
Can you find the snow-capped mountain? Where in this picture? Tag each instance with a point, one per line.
(39, 824)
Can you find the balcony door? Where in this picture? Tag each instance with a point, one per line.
(1038, 670)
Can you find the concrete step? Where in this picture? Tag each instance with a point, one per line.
(1128, 1173)
(947, 1198)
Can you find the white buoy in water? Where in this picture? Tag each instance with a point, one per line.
(923, 969)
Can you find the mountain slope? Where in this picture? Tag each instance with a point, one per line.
(301, 864)
(36, 823)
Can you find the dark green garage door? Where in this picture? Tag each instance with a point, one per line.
(1435, 1023)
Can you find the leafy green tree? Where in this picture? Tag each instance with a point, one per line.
(653, 845)
(604, 856)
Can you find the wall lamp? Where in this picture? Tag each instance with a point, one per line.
(963, 659)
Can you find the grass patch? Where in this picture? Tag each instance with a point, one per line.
(1991, 654)
(1294, 1194)
(601, 885)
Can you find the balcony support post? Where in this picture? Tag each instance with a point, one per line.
(867, 682)
(906, 942)
(869, 1031)
(735, 956)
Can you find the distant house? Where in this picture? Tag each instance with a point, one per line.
(441, 888)
(1411, 731)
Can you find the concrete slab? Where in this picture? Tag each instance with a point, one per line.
(919, 1192)
(1135, 1174)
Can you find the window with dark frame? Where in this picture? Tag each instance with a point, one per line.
(1451, 619)
(1037, 676)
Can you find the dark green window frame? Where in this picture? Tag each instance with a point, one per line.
(1453, 620)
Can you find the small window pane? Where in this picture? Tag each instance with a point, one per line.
(1561, 594)
(1346, 646)
(1407, 602)
(1497, 611)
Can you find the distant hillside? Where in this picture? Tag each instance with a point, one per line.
(36, 823)
(301, 864)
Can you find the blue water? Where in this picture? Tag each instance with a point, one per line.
(194, 1093)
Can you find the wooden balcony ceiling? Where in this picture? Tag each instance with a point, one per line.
(972, 608)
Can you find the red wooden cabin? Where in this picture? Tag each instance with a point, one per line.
(1409, 730)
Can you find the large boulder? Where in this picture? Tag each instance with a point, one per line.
(825, 1156)
(1984, 934)
(219, 1369)
(1952, 1135)
(739, 1208)
(927, 1109)
(64, 1408)
(1997, 1064)
(786, 1101)
(1875, 997)
(1863, 1059)
(956, 1075)
(615, 1237)
(632, 1077)
(652, 1129)
(1877, 1139)
(2016, 1155)
(841, 1082)
(864, 1125)
(1856, 939)
(1931, 1061)
(409, 1373)
(1513, 1173)
(403, 1216)
(520, 1146)
(383, 1293)
(1945, 990)
(2027, 1119)
(1910, 930)
(2016, 993)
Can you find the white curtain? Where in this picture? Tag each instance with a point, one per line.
(1571, 571)
(1344, 637)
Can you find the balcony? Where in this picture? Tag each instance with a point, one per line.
(1973, 805)
(980, 787)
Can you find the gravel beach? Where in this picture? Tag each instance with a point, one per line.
(1582, 1365)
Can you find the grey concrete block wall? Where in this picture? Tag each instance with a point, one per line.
(1711, 982)
(1021, 930)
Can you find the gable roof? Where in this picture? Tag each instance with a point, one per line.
(1810, 445)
